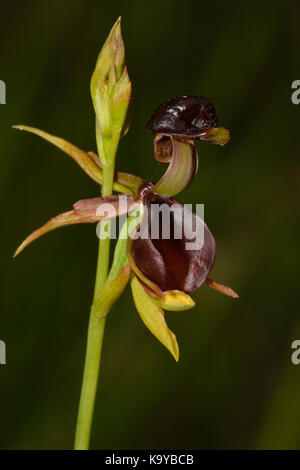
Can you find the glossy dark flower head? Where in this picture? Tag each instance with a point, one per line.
(167, 262)
(188, 117)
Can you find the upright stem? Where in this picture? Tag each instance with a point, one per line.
(90, 381)
(104, 244)
(97, 321)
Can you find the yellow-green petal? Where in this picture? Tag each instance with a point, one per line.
(216, 135)
(154, 318)
(175, 300)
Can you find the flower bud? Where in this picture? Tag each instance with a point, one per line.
(112, 54)
(111, 92)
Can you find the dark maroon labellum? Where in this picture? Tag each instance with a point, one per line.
(185, 116)
(167, 262)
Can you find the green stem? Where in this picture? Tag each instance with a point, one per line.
(89, 382)
(96, 322)
(104, 245)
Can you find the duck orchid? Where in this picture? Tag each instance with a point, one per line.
(164, 271)
(164, 249)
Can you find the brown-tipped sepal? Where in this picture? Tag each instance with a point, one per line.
(84, 211)
(226, 290)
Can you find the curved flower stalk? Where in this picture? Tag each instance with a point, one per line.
(164, 270)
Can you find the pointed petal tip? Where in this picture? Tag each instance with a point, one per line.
(67, 218)
(234, 294)
(221, 288)
(85, 211)
(176, 356)
(21, 247)
(230, 292)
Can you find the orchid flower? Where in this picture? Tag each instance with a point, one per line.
(164, 271)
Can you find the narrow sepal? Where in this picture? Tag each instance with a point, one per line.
(83, 159)
(221, 288)
(85, 211)
(154, 318)
(89, 162)
(111, 206)
(67, 218)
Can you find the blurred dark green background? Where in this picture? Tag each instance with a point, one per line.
(235, 386)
